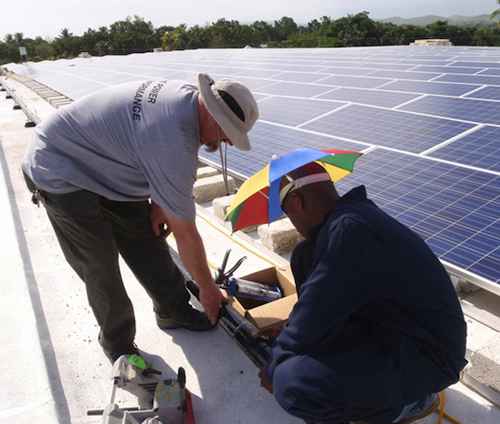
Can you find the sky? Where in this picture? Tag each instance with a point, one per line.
(47, 17)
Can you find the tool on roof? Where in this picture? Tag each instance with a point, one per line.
(245, 289)
(160, 401)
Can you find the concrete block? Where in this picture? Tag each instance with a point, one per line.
(221, 204)
(206, 171)
(484, 368)
(207, 189)
(280, 236)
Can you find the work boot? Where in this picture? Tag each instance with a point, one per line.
(188, 318)
(114, 353)
(413, 413)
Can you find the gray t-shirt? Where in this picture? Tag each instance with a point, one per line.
(127, 143)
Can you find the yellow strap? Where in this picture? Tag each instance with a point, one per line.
(442, 413)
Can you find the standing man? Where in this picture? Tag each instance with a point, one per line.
(112, 170)
(377, 330)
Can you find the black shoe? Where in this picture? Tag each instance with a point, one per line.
(188, 318)
(114, 354)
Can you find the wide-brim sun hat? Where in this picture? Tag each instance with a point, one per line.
(233, 107)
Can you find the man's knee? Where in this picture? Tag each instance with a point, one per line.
(300, 389)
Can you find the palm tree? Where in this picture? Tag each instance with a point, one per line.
(496, 14)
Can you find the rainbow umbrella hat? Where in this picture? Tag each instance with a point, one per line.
(258, 199)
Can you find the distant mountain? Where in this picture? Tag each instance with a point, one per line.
(429, 19)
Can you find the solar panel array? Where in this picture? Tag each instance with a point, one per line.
(428, 117)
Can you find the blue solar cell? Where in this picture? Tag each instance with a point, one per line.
(268, 139)
(251, 83)
(293, 112)
(480, 148)
(479, 63)
(339, 70)
(357, 82)
(390, 66)
(412, 190)
(411, 75)
(491, 71)
(448, 69)
(470, 79)
(483, 111)
(405, 131)
(492, 93)
(369, 97)
(299, 76)
(427, 62)
(293, 89)
(448, 89)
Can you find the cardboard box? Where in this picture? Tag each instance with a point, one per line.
(268, 317)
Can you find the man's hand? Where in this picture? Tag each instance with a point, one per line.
(211, 298)
(192, 254)
(159, 221)
(264, 381)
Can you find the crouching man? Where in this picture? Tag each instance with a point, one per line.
(377, 330)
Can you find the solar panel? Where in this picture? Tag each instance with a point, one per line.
(293, 112)
(293, 89)
(338, 70)
(400, 130)
(267, 140)
(486, 112)
(369, 97)
(300, 76)
(448, 69)
(492, 93)
(431, 87)
(491, 71)
(359, 82)
(485, 64)
(480, 148)
(454, 207)
(470, 79)
(455, 210)
(422, 76)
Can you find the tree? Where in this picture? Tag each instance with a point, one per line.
(132, 35)
(285, 27)
(176, 39)
(495, 15)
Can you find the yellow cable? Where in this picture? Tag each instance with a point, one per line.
(442, 398)
(442, 412)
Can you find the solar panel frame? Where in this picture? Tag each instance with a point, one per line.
(480, 148)
(470, 79)
(263, 71)
(410, 75)
(426, 87)
(413, 190)
(487, 93)
(372, 97)
(395, 129)
(290, 111)
(356, 82)
(472, 110)
(293, 89)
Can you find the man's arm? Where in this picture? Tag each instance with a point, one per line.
(337, 287)
(192, 253)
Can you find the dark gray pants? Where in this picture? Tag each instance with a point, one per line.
(92, 231)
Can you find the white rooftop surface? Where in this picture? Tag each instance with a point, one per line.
(52, 368)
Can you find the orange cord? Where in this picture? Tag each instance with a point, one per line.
(442, 413)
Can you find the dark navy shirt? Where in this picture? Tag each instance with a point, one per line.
(369, 280)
